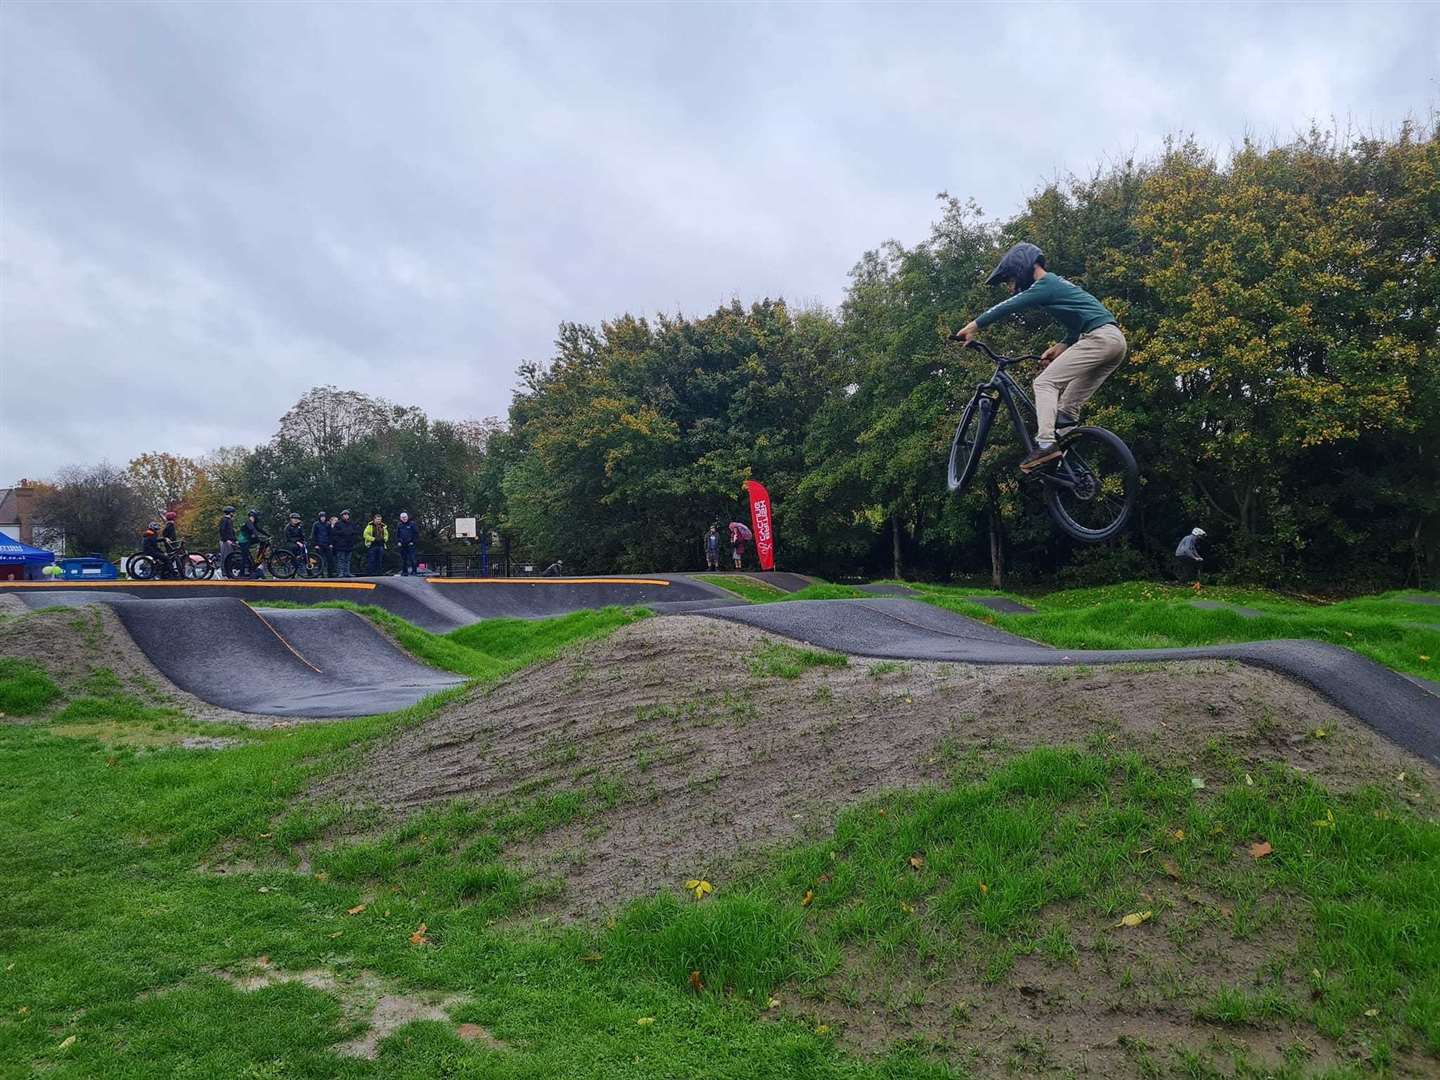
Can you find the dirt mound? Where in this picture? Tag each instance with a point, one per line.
(71, 643)
(705, 753)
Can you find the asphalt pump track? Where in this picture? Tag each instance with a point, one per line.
(326, 662)
(1405, 711)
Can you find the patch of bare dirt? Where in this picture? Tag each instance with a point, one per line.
(705, 761)
(70, 644)
(364, 998)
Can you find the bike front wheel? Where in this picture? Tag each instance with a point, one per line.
(235, 566)
(1091, 490)
(969, 443)
(142, 567)
(198, 568)
(282, 564)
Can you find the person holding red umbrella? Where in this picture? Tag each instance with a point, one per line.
(740, 535)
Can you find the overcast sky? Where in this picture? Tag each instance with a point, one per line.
(206, 209)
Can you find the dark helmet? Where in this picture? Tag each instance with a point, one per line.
(228, 510)
(252, 513)
(170, 515)
(294, 516)
(344, 513)
(1018, 265)
(320, 513)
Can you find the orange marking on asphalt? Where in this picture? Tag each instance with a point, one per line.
(81, 583)
(294, 651)
(546, 581)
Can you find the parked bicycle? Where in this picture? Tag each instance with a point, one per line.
(1089, 490)
(279, 564)
(181, 564)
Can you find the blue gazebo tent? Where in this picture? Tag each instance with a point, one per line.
(15, 555)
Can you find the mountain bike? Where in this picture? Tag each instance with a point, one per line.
(1089, 490)
(177, 564)
(280, 562)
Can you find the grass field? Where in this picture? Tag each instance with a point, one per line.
(169, 912)
(1403, 635)
(759, 592)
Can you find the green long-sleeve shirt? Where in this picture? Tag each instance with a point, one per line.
(1063, 301)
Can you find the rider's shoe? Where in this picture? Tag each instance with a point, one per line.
(1041, 455)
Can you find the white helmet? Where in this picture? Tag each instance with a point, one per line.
(1197, 531)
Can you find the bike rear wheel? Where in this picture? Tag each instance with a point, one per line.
(1091, 490)
(282, 564)
(235, 566)
(142, 567)
(969, 443)
(198, 568)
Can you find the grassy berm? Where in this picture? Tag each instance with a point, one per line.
(674, 847)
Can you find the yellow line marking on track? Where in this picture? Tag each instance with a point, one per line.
(81, 583)
(547, 581)
(281, 637)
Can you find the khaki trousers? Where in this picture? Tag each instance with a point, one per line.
(1072, 378)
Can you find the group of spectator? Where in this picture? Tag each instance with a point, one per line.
(331, 538)
(740, 535)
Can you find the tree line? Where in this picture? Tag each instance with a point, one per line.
(1282, 306)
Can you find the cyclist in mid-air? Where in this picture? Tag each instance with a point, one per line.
(1074, 368)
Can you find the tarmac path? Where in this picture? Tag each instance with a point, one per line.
(326, 662)
(1406, 712)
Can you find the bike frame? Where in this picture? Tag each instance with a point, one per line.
(1003, 385)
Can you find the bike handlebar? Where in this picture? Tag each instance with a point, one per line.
(976, 343)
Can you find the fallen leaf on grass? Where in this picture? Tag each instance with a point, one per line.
(1178, 835)
(24, 1009)
(773, 1003)
(907, 908)
(67, 1043)
(807, 898)
(1327, 822)
(1320, 733)
(266, 835)
(418, 937)
(1372, 1013)
(1249, 781)
(700, 887)
(1135, 918)
(1170, 867)
(1401, 778)
(336, 934)
(643, 1020)
(917, 862)
(356, 909)
(1261, 849)
(696, 983)
(591, 958)
(984, 889)
(1197, 782)
(823, 1029)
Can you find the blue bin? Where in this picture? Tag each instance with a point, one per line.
(89, 568)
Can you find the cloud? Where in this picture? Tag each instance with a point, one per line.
(207, 209)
